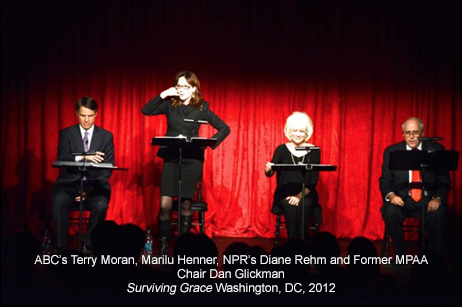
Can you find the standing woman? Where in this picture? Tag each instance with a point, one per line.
(182, 101)
(287, 197)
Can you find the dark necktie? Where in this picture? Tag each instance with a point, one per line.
(416, 190)
(85, 141)
(85, 146)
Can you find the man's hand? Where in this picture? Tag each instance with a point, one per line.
(99, 157)
(86, 193)
(433, 205)
(396, 200)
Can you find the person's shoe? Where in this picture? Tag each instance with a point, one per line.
(163, 246)
(86, 250)
(186, 221)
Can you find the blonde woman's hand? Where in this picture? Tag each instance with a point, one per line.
(268, 167)
(293, 200)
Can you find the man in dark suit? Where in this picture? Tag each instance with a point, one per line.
(83, 137)
(398, 187)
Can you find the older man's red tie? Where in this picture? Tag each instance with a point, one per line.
(416, 190)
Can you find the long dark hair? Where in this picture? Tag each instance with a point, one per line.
(197, 101)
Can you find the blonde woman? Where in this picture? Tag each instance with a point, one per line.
(287, 197)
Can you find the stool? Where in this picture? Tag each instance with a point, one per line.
(198, 208)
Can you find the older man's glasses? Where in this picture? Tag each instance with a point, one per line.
(412, 133)
(183, 87)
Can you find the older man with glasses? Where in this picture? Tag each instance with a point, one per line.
(402, 191)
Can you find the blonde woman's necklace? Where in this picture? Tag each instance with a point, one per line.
(293, 159)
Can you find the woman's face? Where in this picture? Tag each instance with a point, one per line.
(298, 134)
(185, 90)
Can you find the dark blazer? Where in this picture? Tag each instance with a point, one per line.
(177, 126)
(290, 182)
(70, 141)
(436, 183)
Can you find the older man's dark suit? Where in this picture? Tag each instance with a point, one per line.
(437, 184)
(67, 186)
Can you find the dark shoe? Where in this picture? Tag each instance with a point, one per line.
(186, 221)
(163, 246)
(86, 250)
(164, 234)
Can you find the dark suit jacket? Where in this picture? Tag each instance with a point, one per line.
(70, 141)
(436, 183)
(176, 125)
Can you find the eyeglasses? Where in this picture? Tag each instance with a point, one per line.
(413, 133)
(183, 87)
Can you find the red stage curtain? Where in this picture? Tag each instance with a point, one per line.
(358, 68)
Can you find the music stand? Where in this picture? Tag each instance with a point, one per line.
(181, 142)
(423, 160)
(82, 167)
(303, 168)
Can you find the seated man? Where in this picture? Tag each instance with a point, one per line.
(79, 138)
(402, 191)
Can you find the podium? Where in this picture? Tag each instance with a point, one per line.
(303, 168)
(443, 160)
(423, 160)
(182, 143)
(82, 167)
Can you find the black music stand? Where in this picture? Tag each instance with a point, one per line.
(303, 168)
(423, 160)
(181, 142)
(82, 167)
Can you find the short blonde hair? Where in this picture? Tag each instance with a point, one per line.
(299, 119)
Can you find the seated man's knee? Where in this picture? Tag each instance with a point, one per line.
(390, 211)
(439, 214)
(100, 204)
(60, 198)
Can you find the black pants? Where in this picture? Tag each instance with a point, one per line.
(293, 216)
(63, 200)
(394, 217)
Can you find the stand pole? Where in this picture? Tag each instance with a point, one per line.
(303, 204)
(431, 149)
(424, 201)
(81, 211)
(82, 170)
(308, 150)
(180, 161)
